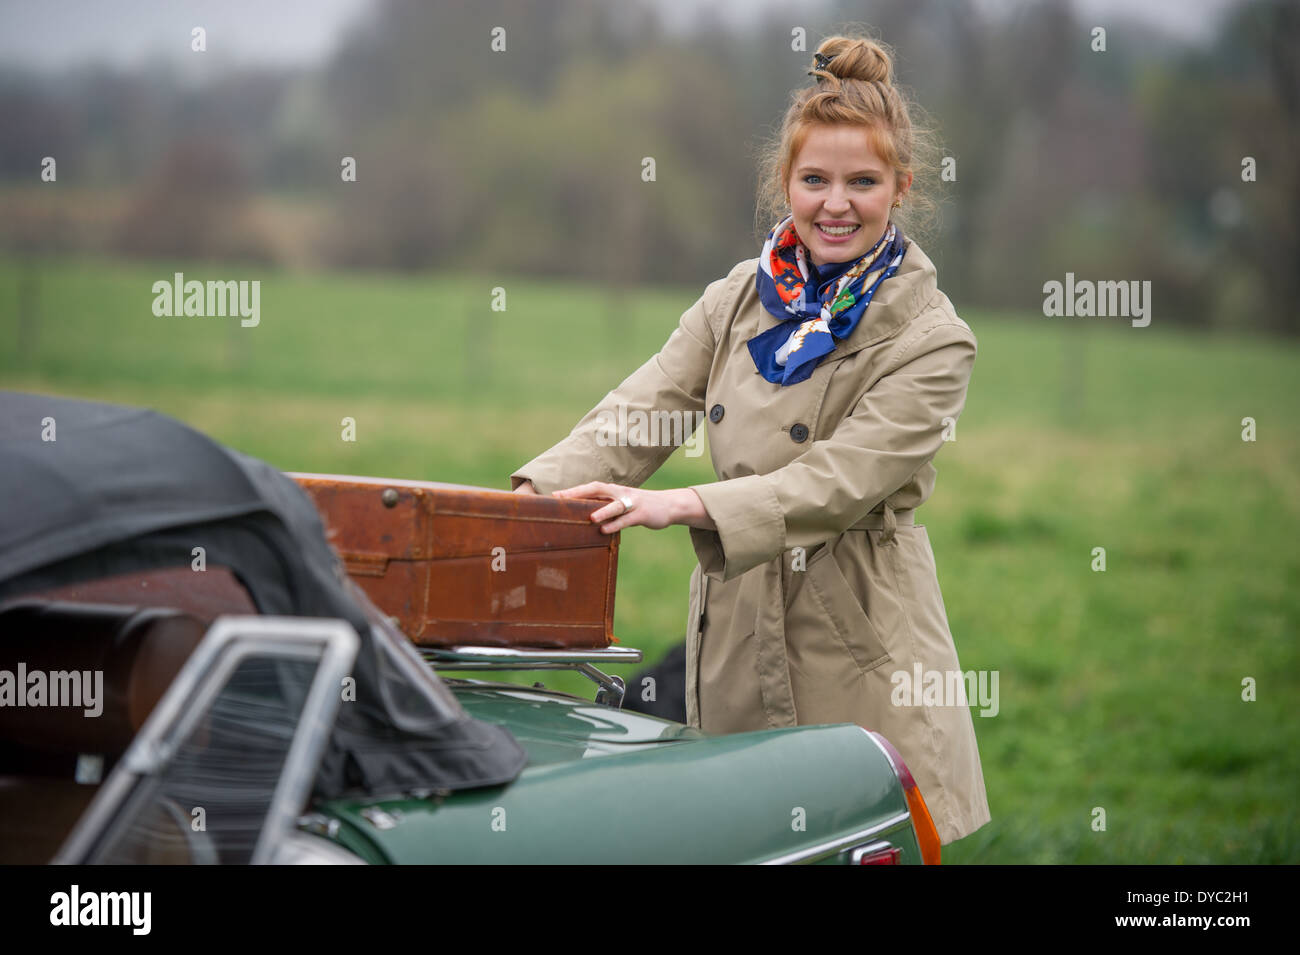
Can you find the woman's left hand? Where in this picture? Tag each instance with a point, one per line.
(653, 509)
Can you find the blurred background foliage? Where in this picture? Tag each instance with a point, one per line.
(1121, 164)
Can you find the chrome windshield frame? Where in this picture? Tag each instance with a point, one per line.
(332, 643)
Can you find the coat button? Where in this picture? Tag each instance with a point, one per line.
(798, 433)
(716, 413)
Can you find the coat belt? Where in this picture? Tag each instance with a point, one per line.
(886, 519)
(769, 622)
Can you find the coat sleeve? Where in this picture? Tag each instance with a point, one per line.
(670, 383)
(893, 431)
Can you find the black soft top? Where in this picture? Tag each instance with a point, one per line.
(90, 490)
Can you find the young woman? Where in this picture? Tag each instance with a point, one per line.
(832, 369)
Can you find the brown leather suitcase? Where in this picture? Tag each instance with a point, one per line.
(459, 565)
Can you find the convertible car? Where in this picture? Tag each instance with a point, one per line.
(189, 674)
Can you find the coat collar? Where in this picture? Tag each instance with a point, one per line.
(899, 299)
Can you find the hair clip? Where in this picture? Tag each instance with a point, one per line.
(822, 61)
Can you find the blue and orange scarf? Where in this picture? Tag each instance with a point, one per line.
(811, 324)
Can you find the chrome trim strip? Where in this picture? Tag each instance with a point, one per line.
(471, 654)
(892, 765)
(612, 688)
(824, 849)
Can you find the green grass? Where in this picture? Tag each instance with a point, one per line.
(1118, 689)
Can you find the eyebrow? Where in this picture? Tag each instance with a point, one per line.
(860, 172)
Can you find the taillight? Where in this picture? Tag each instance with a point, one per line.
(927, 837)
(878, 853)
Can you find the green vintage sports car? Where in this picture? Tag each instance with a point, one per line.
(187, 676)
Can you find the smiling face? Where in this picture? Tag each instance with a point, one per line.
(839, 183)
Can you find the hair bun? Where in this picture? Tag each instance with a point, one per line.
(854, 58)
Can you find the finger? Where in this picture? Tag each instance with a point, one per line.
(608, 512)
(621, 519)
(635, 519)
(585, 490)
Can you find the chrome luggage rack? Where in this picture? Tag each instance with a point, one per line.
(611, 689)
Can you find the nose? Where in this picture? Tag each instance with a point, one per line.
(838, 201)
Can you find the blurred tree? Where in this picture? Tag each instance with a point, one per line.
(197, 205)
(1205, 112)
(1123, 164)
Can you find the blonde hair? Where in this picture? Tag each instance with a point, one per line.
(855, 88)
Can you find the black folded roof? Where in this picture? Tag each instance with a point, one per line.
(90, 489)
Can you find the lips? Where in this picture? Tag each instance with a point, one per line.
(838, 230)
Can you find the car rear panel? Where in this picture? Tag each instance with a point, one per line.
(611, 786)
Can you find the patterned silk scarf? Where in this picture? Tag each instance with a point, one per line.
(787, 353)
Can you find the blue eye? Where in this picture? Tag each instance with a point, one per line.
(866, 179)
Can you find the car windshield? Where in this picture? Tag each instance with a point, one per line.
(209, 801)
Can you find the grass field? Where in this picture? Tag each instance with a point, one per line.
(1119, 689)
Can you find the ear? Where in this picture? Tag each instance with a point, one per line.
(904, 184)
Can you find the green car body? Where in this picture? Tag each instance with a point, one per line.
(606, 785)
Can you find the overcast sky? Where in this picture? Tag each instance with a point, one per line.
(55, 34)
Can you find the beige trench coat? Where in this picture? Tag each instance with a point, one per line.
(817, 588)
